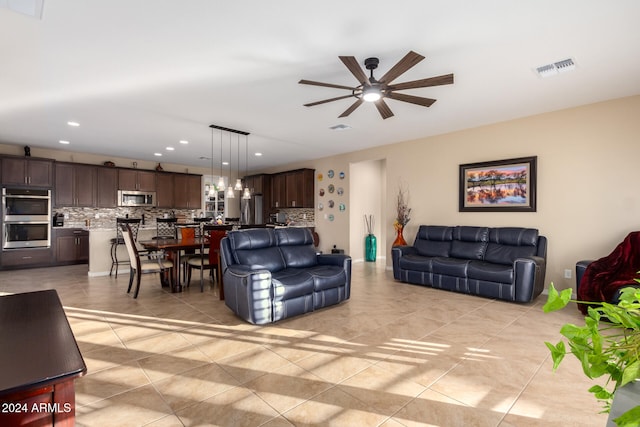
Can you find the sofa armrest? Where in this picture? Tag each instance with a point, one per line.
(529, 277)
(581, 267)
(334, 259)
(248, 292)
(398, 252)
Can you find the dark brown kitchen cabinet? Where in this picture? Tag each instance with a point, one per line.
(106, 187)
(293, 189)
(24, 258)
(187, 191)
(27, 171)
(164, 190)
(257, 184)
(71, 245)
(278, 191)
(75, 185)
(136, 180)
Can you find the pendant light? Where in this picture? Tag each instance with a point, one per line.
(238, 186)
(246, 195)
(230, 193)
(221, 184)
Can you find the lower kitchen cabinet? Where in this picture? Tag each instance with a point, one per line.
(71, 245)
(26, 258)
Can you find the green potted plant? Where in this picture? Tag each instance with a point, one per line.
(608, 345)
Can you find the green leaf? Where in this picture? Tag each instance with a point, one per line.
(630, 373)
(600, 392)
(557, 353)
(555, 300)
(629, 419)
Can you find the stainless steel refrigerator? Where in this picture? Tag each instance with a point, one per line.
(251, 210)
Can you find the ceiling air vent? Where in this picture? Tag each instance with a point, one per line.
(556, 68)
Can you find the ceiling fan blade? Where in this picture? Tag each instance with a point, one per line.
(445, 79)
(409, 60)
(355, 69)
(310, 82)
(324, 101)
(383, 109)
(352, 108)
(425, 102)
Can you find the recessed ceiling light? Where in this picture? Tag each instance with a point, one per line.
(183, 141)
(74, 124)
(62, 141)
(225, 163)
(157, 154)
(170, 148)
(258, 154)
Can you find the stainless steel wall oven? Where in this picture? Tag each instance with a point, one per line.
(26, 218)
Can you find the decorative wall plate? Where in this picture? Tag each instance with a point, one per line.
(321, 192)
(342, 207)
(319, 177)
(331, 188)
(341, 175)
(340, 191)
(330, 173)
(331, 204)
(320, 206)
(331, 217)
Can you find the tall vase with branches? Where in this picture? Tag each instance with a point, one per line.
(403, 215)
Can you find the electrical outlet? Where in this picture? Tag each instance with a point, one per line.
(567, 273)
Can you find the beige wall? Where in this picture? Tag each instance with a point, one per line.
(587, 177)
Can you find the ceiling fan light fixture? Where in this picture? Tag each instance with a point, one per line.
(371, 94)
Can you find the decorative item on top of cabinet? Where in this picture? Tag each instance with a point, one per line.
(27, 171)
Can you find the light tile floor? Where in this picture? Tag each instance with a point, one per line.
(393, 355)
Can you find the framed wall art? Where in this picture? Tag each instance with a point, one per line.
(500, 185)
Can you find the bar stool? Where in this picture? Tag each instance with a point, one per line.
(166, 228)
(134, 224)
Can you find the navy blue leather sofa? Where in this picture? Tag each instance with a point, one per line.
(273, 274)
(506, 263)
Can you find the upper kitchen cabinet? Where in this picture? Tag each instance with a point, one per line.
(75, 185)
(165, 190)
(136, 180)
(187, 191)
(106, 187)
(27, 171)
(293, 189)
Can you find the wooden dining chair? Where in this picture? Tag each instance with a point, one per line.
(208, 260)
(138, 266)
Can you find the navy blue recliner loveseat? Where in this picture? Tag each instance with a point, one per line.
(273, 274)
(506, 263)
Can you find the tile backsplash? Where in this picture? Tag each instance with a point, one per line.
(106, 217)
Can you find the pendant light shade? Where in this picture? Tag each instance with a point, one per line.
(221, 178)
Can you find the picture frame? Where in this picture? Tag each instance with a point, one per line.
(507, 185)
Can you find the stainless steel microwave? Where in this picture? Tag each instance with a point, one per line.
(136, 198)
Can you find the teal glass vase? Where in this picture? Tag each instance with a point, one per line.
(370, 247)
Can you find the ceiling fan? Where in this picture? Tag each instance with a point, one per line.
(372, 90)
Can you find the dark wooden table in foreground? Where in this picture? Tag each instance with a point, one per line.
(39, 360)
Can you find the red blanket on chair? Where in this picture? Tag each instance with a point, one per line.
(602, 278)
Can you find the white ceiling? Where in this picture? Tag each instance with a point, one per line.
(141, 75)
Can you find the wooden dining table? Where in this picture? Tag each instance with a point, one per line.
(174, 246)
